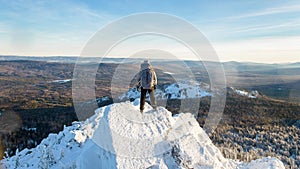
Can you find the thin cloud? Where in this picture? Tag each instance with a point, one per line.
(268, 27)
(51, 26)
(270, 11)
(90, 13)
(54, 11)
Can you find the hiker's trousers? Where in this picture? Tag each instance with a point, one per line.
(143, 98)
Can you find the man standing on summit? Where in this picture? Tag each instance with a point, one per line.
(148, 81)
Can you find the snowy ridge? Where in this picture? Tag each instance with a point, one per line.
(118, 136)
(253, 94)
(61, 81)
(180, 90)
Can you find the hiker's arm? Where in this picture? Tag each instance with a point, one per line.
(154, 78)
(138, 79)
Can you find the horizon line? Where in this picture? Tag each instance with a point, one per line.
(119, 57)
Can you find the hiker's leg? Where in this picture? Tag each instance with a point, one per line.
(152, 98)
(143, 99)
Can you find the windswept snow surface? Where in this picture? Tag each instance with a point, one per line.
(180, 90)
(264, 163)
(119, 136)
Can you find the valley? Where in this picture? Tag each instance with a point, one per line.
(36, 99)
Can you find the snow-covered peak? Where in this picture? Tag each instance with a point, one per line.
(252, 94)
(179, 90)
(119, 136)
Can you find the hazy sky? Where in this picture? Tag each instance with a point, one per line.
(257, 30)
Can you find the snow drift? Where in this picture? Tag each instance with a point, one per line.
(118, 136)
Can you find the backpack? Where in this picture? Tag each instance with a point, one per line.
(147, 78)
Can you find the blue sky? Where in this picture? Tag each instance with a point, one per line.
(257, 31)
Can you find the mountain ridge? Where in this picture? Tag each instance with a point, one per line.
(99, 142)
